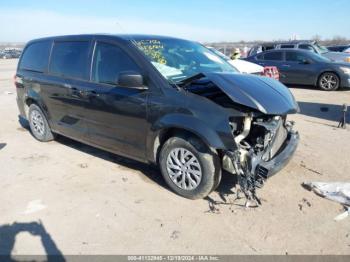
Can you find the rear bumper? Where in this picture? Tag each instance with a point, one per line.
(21, 109)
(270, 168)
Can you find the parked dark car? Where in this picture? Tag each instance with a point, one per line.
(339, 48)
(305, 68)
(158, 100)
(308, 45)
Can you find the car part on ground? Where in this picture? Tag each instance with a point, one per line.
(342, 122)
(159, 100)
(335, 191)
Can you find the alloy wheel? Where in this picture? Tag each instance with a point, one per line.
(38, 122)
(329, 81)
(184, 169)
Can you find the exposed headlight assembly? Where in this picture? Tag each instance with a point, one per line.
(346, 70)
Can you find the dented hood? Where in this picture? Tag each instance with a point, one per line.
(264, 94)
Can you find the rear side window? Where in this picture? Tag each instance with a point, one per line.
(36, 57)
(70, 59)
(273, 56)
(109, 61)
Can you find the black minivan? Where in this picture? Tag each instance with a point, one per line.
(158, 100)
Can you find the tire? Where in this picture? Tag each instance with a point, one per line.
(38, 124)
(202, 167)
(328, 81)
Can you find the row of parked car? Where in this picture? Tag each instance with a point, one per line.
(299, 62)
(10, 53)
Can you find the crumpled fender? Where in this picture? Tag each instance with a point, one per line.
(209, 135)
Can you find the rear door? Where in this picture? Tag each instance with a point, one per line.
(272, 58)
(66, 85)
(116, 116)
(296, 70)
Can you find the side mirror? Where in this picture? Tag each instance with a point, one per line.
(305, 62)
(130, 79)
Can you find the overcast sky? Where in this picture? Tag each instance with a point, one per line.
(201, 20)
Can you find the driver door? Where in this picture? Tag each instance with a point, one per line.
(116, 116)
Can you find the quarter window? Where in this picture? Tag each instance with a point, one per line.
(36, 57)
(70, 59)
(109, 61)
(273, 56)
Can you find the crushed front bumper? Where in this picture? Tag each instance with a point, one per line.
(270, 168)
(266, 169)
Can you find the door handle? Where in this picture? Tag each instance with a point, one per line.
(286, 65)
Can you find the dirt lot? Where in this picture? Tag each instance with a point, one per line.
(66, 197)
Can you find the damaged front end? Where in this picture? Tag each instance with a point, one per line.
(265, 145)
(265, 140)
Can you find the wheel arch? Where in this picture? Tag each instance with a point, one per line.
(188, 127)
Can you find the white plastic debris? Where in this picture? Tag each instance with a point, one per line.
(335, 191)
(34, 206)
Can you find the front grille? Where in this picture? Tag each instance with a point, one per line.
(279, 139)
(280, 134)
(262, 172)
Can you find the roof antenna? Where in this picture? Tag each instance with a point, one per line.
(124, 32)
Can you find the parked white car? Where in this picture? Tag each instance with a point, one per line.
(242, 66)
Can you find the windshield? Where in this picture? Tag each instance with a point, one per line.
(321, 49)
(177, 59)
(319, 58)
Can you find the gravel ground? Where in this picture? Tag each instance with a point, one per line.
(66, 197)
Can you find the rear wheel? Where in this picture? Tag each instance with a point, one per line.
(328, 81)
(189, 167)
(39, 125)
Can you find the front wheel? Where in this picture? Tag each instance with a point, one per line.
(189, 167)
(328, 81)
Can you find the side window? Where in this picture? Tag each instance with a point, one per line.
(70, 59)
(273, 56)
(109, 61)
(36, 57)
(306, 47)
(295, 57)
(287, 46)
